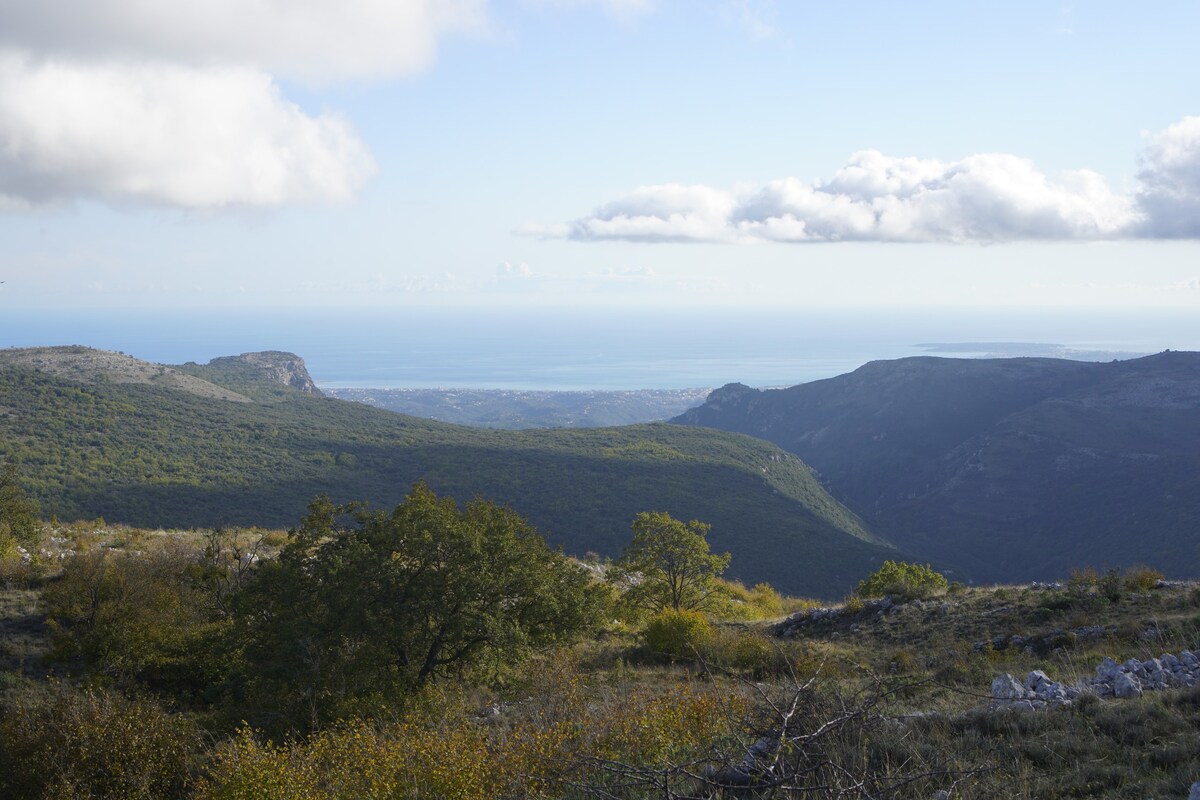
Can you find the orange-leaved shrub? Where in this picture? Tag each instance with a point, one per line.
(1141, 578)
(541, 746)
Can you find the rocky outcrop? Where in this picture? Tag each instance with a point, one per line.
(269, 367)
(1121, 681)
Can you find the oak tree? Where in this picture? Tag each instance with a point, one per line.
(364, 607)
(668, 564)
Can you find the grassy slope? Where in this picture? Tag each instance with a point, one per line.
(148, 455)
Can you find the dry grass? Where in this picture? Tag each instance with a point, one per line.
(923, 663)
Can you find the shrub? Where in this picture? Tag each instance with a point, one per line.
(1111, 585)
(902, 580)
(1082, 581)
(560, 738)
(65, 742)
(12, 570)
(732, 600)
(744, 650)
(1141, 578)
(678, 634)
(135, 618)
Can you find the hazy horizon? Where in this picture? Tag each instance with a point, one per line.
(590, 349)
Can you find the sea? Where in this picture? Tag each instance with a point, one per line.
(599, 349)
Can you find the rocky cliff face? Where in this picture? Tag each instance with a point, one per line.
(270, 367)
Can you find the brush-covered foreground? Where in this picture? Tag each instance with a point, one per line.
(866, 703)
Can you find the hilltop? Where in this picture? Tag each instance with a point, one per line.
(245, 441)
(1015, 468)
(85, 365)
(270, 371)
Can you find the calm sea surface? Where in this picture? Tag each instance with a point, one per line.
(596, 349)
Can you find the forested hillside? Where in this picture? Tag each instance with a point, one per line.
(1015, 469)
(107, 435)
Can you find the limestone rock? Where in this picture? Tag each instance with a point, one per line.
(1126, 686)
(1108, 670)
(1035, 679)
(1007, 689)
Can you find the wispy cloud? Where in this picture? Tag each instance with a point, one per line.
(756, 17)
(990, 197)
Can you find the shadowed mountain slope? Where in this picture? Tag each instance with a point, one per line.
(151, 454)
(1015, 469)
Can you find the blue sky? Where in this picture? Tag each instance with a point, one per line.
(558, 152)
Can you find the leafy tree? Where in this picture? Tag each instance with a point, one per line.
(362, 608)
(668, 565)
(18, 512)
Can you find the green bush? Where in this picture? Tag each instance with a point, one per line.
(59, 741)
(744, 651)
(732, 600)
(1111, 585)
(678, 634)
(903, 581)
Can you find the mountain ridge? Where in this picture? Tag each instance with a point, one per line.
(1017, 469)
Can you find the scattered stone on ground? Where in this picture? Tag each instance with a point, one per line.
(1121, 681)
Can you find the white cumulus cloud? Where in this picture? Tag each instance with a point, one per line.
(989, 197)
(314, 40)
(177, 103)
(671, 212)
(1170, 181)
(166, 134)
